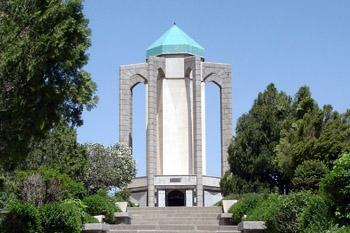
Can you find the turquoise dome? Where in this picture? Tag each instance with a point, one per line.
(173, 41)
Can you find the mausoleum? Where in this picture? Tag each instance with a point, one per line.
(175, 74)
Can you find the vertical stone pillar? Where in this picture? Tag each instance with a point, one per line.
(151, 130)
(161, 198)
(226, 117)
(125, 111)
(197, 129)
(154, 64)
(189, 198)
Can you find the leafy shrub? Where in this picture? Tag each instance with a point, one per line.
(4, 198)
(101, 204)
(88, 218)
(71, 188)
(246, 204)
(79, 204)
(33, 189)
(309, 174)
(337, 229)
(297, 212)
(46, 185)
(316, 216)
(22, 218)
(61, 218)
(265, 210)
(336, 186)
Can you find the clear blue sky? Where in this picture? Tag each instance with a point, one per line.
(289, 43)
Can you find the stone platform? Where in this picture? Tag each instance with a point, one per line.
(172, 220)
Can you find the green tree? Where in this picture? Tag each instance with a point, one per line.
(61, 151)
(109, 166)
(252, 151)
(311, 134)
(299, 133)
(308, 175)
(336, 186)
(42, 53)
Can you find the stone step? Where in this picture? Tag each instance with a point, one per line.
(174, 220)
(172, 212)
(217, 217)
(170, 227)
(177, 222)
(165, 231)
(176, 209)
(167, 216)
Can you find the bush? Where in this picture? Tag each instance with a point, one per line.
(71, 188)
(265, 210)
(297, 212)
(61, 218)
(246, 204)
(316, 216)
(22, 218)
(309, 174)
(337, 229)
(336, 186)
(88, 218)
(46, 185)
(4, 198)
(101, 204)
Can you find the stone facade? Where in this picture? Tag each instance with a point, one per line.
(201, 73)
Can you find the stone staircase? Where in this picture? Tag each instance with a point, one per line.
(174, 220)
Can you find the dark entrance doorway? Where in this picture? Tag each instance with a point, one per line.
(176, 198)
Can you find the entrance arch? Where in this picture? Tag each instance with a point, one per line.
(176, 198)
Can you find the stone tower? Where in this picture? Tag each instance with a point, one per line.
(175, 75)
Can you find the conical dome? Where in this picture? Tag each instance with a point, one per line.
(175, 41)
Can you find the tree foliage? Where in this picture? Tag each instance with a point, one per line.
(42, 53)
(252, 151)
(109, 166)
(336, 186)
(59, 150)
(279, 134)
(309, 174)
(311, 133)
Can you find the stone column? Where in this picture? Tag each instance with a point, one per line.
(161, 198)
(195, 64)
(189, 198)
(226, 117)
(154, 65)
(124, 108)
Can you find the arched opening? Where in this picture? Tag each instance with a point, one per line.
(213, 129)
(176, 198)
(139, 128)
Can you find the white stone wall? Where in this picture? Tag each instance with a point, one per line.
(175, 130)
